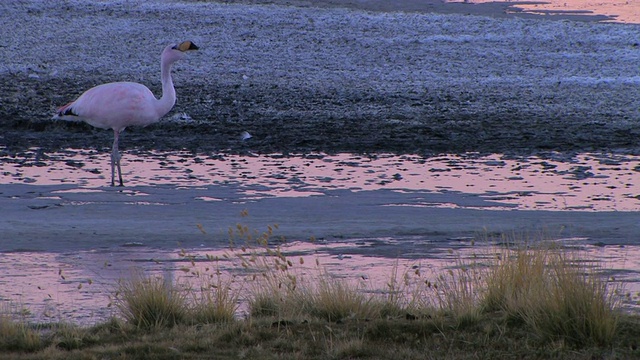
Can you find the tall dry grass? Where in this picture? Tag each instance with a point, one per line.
(555, 291)
(16, 334)
(283, 287)
(215, 300)
(280, 290)
(513, 277)
(147, 301)
(334, 299)
(408, 292)
(550, 289)
(573, 303)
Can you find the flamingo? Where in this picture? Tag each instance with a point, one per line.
(117, 105)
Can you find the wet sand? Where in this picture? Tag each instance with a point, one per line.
(57, 218)
(342, 196)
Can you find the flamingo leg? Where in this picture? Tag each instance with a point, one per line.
(115, 159)
(119, 170)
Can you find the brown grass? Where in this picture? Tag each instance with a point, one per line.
(215, 300)
(17, 335)
(150, 301)
(555, 292)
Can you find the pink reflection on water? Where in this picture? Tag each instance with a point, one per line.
(624, 11)
(597, 182)
(79, 287)
(52, 287)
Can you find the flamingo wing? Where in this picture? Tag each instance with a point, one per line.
(113, 106)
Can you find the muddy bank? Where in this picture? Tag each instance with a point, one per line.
(356, 123)
(303, 79)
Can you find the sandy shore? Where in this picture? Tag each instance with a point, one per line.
(61, 218)
(576, 10)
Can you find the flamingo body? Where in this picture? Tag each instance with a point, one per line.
(118, 105)
(133, 101)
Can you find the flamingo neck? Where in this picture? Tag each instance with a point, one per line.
(168, 98)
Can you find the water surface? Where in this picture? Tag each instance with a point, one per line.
(76, 283)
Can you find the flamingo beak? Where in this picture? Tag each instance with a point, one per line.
(186, 46)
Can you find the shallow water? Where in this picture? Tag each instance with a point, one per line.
(76, 285)
(79, 286)
(594, 182)
(623, 11)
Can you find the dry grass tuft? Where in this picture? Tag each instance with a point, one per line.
(514, 277)
(215, 301)
(574, 304)
(335, 299)
(279, 290)
(151, 302)
(459, 292)
(555, 292)
(70, 337)
(17, 335)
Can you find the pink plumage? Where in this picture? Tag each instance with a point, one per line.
(121, 104)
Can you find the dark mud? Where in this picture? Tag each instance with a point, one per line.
(357, 122)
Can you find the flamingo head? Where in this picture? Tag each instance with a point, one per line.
(186, 46)
(175, 52)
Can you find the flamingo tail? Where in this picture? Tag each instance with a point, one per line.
(66, 113)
